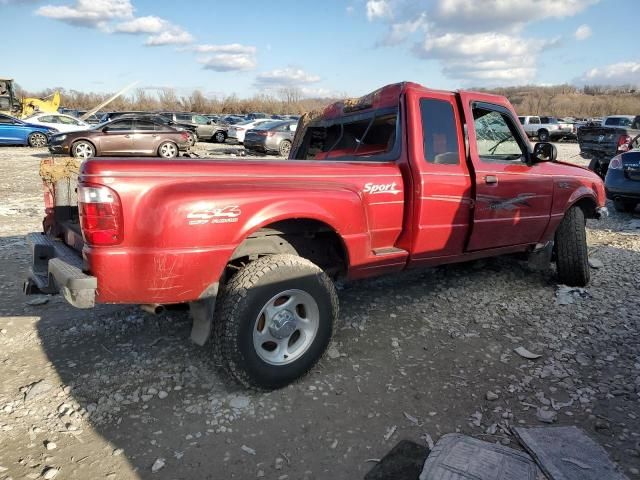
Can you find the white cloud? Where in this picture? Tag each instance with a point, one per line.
(478, 42)
(623, 73)
(227, 58)
(150, 24)
(285, 77)
(583, 32)
(378, 9)
(88, 13)
(173, 36)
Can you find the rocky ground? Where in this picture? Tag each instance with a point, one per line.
(117, 393)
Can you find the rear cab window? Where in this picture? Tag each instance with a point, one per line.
(440, 132)
(371, 136)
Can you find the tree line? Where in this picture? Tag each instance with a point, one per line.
(558, 100)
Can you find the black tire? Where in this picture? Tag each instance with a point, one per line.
(284, 148)
(626, 206)
(543, 135)
(599, 168)
(240, 312)
(219, 137)
(168, 150)
(83, 149)
(37, 140)
(572, 258)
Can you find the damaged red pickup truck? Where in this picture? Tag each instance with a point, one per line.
(403, 177)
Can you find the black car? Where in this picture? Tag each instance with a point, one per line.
(622, 182)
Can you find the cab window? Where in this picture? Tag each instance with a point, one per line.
(440, 132)
(496, 136)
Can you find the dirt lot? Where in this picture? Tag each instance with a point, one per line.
(118, 393)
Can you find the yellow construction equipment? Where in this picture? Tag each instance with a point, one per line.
(27, 106)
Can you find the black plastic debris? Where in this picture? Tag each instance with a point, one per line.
(403, 462)
(567, 453)
(459, 457)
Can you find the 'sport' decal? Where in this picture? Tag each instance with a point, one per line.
(378, 188)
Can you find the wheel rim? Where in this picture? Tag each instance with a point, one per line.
(168, 150)
(83, 150)
(286, 327)
(38, 140)
(219, 137)
(284, 148)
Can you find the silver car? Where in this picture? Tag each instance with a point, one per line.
(271, 137)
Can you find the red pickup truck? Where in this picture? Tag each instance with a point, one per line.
(401, 178)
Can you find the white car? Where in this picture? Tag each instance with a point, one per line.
(59, 121)
(238, 130)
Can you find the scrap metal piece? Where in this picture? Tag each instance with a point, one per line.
(567, 453)
(459, 457)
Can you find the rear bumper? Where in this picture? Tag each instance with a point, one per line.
(617, 186)
(56, 268)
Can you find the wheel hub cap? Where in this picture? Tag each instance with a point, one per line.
(283, 324)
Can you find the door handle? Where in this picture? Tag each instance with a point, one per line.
(491, 179)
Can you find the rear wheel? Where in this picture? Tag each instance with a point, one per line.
(219, 137)
(625, 205)
(284, 148)
(83, 149)
(543, 135)
(275, 320)
(572, 258)
(168, 150)
(37, 140)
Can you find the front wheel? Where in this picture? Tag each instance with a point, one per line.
(572, 257)
(219, 137)
(275, 321)
(83, 149)
(37, 140)
(168, 150)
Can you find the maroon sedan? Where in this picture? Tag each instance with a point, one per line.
(126, 136)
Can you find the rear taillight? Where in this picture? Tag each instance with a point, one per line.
(100, 215)
(615, 163)
(623, 143)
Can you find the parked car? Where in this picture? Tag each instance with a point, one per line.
(59, 121)
(238, 130)
(622, 183)
(601, 143)
(233, 119)
(156, 117)
(545, 128)
(14, 131)
(256, 115)
(206, 129)
(618, 121)
(122, 136)
(271, 137)
(380, 184)
(108, 116)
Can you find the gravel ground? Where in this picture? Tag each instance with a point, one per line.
(117, 393)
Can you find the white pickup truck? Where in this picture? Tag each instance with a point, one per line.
(546, 128)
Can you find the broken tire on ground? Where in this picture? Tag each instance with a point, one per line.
(274, 321)
(572, 259)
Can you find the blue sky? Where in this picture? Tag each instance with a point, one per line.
(326, 47)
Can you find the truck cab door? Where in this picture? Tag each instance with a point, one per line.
(442, 182)
(512, 198)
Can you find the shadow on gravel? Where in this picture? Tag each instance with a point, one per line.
(147, 390)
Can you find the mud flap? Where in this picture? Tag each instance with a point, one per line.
(202, 314)
(540, 259)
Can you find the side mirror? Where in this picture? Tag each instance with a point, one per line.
(544, 152)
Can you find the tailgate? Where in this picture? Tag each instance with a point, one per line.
(601, 141)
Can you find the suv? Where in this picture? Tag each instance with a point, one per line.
(206, 129)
